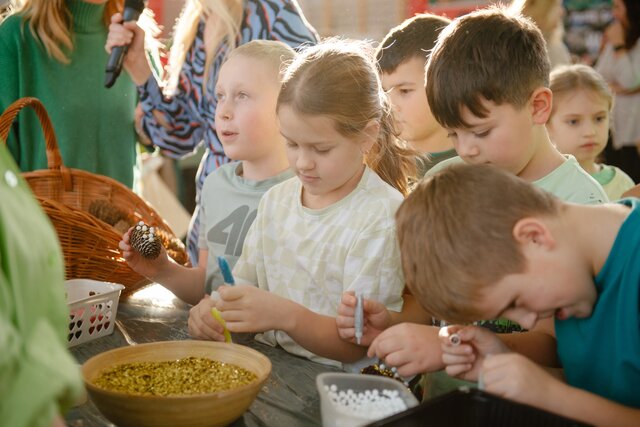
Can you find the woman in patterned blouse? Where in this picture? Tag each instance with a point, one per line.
(179, 111)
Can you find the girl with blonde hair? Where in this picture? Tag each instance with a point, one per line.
(579, 123)
(179, 110)
(331, 229)
(53, 50)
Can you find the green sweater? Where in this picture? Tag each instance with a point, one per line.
(94, 125)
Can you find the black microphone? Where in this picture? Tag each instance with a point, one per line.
(132, 10)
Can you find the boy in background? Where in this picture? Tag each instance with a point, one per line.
(246, 91)
(402, 57)
(548, 259)
(487, 82)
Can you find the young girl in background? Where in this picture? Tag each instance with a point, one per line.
(579, 123)
(331, 228)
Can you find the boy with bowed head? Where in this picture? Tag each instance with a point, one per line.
(330, 229)
(246, 91)
(523, 254)
(487, 83)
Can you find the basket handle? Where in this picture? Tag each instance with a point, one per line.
(54, 160)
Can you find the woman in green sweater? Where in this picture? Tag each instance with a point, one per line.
(54, 50)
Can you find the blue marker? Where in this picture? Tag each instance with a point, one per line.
(226, 271)
(359, 318)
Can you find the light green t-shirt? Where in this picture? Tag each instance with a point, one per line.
(228, 206)
(38, 376)
(613, 180)
(568, 182)
(312, 256)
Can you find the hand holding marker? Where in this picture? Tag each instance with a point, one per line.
(228, 280)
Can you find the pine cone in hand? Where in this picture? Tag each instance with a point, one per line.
(144, 240)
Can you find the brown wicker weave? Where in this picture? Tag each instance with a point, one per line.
(90, 246)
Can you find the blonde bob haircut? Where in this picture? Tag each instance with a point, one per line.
(338, 79)
(455, 232)
(50, 22)
(274, 54)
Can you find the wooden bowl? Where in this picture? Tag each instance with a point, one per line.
(210, 409)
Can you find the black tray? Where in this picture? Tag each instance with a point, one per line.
(474, 408)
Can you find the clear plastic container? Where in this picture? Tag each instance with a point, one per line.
(334, 415)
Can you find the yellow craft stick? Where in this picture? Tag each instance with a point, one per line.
(215, 296)
(218, 317)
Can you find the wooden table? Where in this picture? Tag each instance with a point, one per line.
(288, 398)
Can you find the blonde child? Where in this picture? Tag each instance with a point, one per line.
(579, 123)
(247, 92)
(179, 112)
(330, 229)
(522, 254)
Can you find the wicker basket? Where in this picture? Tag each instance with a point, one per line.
(90, 246)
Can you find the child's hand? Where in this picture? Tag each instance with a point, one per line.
(202, 324)
(465, 359)
(150, 268)
(250, 309)
(376, 319)
(515, 377)
(409, 347)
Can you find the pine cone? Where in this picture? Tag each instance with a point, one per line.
(173, 246)
(105, 211)
(143, 239)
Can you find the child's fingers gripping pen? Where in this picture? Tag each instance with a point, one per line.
(359, 318)
(216, 314)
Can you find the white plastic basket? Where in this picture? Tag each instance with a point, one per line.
(92, 309)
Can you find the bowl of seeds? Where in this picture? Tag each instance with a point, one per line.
(175, 383)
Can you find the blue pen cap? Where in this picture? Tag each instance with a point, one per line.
(226, 271)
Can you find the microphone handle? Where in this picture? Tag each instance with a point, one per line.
(116, 58)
